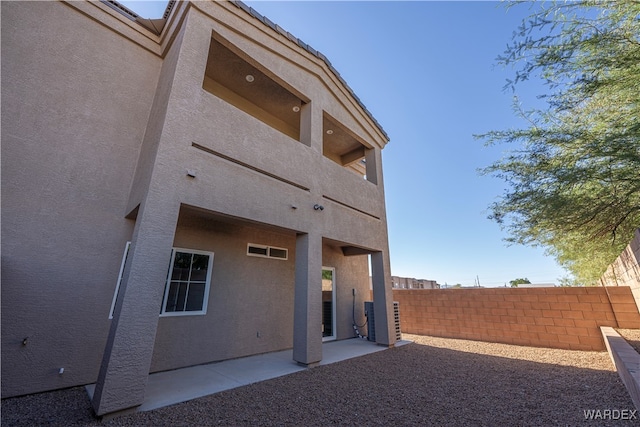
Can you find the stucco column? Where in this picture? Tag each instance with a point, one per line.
(307, 314)
(373, 159)
(127, 356)
(383, 299)
(311, 125)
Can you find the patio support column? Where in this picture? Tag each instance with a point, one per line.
(127, 356)
(307, 317)
(383, 299)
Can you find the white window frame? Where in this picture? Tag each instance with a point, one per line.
(122, 265)
(207, 286)
(334, 317)
(268, 250)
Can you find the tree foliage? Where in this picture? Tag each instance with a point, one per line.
(515, 282)
(573, 172)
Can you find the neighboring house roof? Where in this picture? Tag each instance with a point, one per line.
(156, 26)
(536, 285)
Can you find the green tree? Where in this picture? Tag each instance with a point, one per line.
(515, 282)
(573, 175)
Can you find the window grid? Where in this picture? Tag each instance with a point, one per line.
(188, 283)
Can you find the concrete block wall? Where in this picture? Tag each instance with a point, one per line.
(568, 318)
(625, 270)
(626, 360)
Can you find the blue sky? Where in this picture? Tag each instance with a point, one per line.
(427, 72)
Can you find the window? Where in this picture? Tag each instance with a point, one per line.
(117, 291)
(267, 251)
(278, 253)
(257, 250)
(188, 283)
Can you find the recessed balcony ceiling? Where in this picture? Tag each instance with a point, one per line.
(232, 77)
(340, 145)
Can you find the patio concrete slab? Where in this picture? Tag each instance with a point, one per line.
(180, 385)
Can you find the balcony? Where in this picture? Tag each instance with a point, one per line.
(245, 84)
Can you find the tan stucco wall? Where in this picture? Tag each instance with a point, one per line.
(249, 296)
(243, 193)
(75, 102)
(99, 119)
(250, 307)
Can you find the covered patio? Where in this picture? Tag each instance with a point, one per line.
(180, 385)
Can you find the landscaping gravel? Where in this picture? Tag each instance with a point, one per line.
(632, 336)
(433, 381)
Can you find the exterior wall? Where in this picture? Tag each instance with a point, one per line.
(352, 272)
(250, 306)
(567, 318)
(241, 192)
(101, 121)
(69, 151)
(625, 270)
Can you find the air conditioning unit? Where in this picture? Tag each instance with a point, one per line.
(371, 320)
(396, 320)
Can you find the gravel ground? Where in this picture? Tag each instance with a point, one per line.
(632, 336)
(434, 381)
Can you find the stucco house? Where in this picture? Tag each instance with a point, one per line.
(178, 191)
